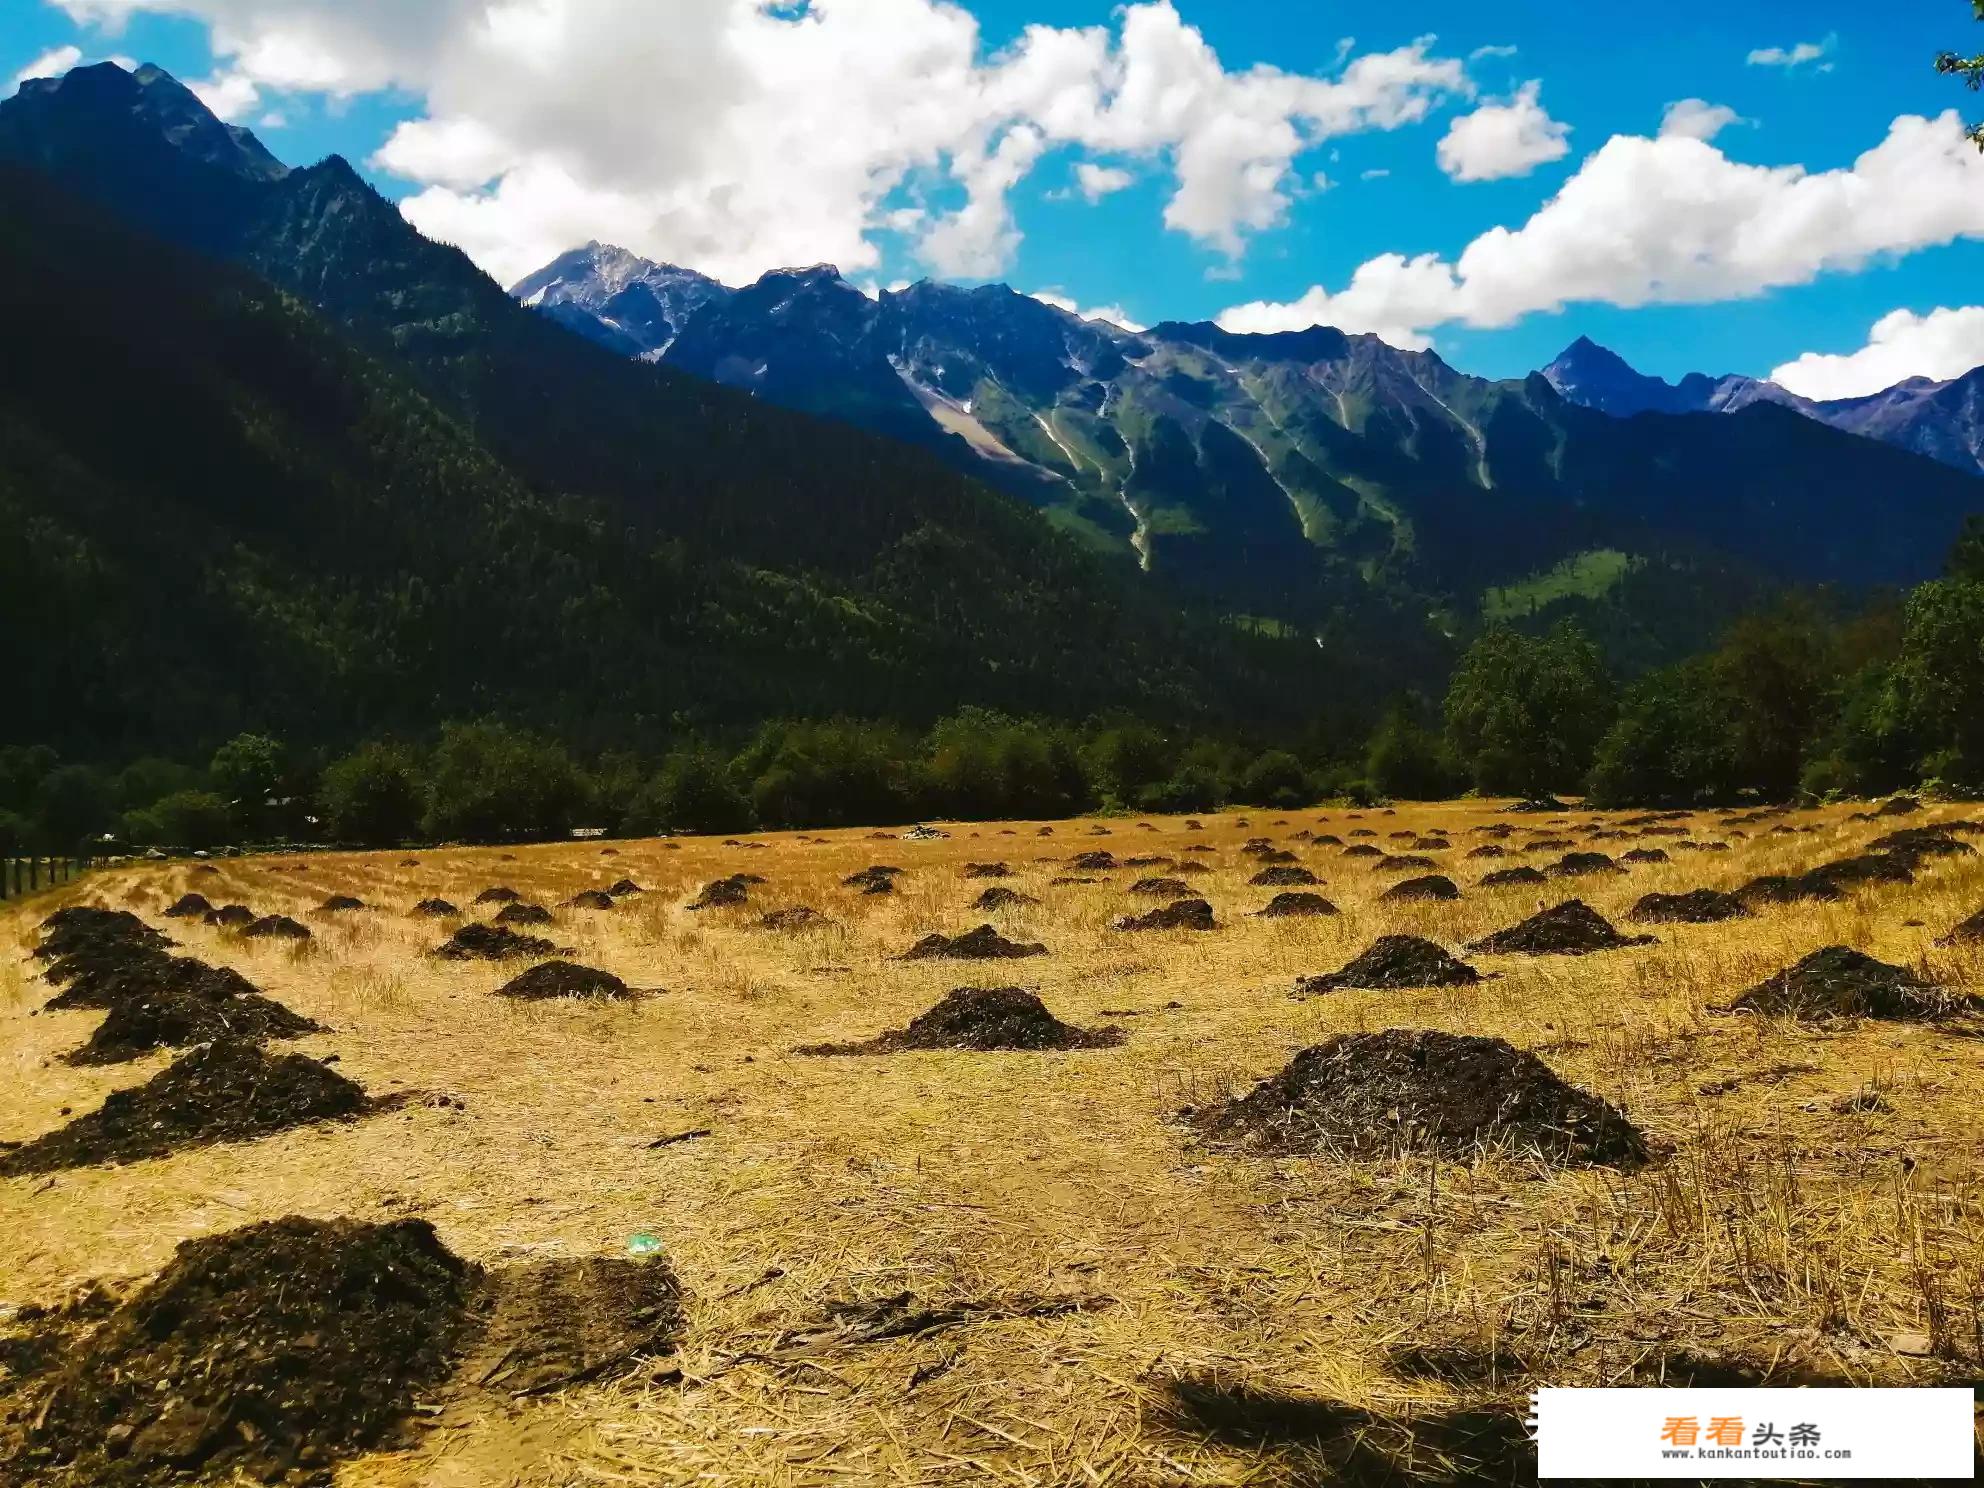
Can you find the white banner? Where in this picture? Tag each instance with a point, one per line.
(1763, 1433)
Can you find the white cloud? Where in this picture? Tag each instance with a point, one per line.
(1799, 55)
(1376, 173)
(1943, 344)
(1669, 220)
(1484, 53)
(51, 63)
(228, 94)
(1497, 140)
(1113, 313)
(741, 135)
(1098, 181)
(1697, 118)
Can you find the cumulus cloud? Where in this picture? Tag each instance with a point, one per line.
(741, 135)
(51, 63)
(230, 95)
(1668, 220)
(1801, 54)
(1697, 118)
(1114, 314)
(1497, 140)
(1098, 181)
(1943, 344)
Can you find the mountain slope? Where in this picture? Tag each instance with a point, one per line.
(1291, 474)
(1942, 420)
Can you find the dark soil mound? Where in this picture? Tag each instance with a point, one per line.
(186, 906)
(437, 909)
(178, 1018)
(1579, 864)
(225, 1092)
(276, 927)
(1161, 888)
(147, 974)
(874, 870)
(340, 904)
(982, 1018)
(1899, 806)
(1696, 907)
(1966, 932)
(1395, 961)
(590, 899)
(83, 929)
(1915, 844)
(1403, 863)
(1701, 847)
(1840, 982)
(562, 979)
(266, 1352)
(1778, 888)
(1001, 897)
(1293, 904)
(1572, 928)
(1192, 870)
(1282, 877)
(1864, 868)
(1180, 914)
(622, 887)
(491, 943)
(723, 893)
(1430, 844)
(1488, 850)
(1419, 1090)
(1363, 850)
(1548, 844)
(982, 944)
(1503, 878)
(1432, 886)
(233, 917)
(870, 881)
(794, 917)
(1646, 855)
(987, 870)
(521, 913)
(501, 894)
(1092, 862)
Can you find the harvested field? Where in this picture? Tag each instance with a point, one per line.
(961, 1265)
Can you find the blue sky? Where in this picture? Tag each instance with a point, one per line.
(1603, 70)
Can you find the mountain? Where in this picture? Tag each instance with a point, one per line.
(274, 459)
(1289, 474)
(1942, 420)
(618, 299)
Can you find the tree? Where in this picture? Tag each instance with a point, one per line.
(1673, 744)
(1524, 713)
(1273, 778)
(372, 796)
(491, 783)
(1407, 760)
(1970, 69)
(984, 765)
(72, 803)
(13, 831)
(192, 820)
(247, 771)
(1939, 678)
(1126, 758)
(692, 792)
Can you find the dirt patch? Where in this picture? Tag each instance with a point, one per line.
(1899, 806)
(1283, 877)
(225, 1092)
(982, 944)
(340, 904)
(1696, 907)
(1780, 888)
(178, 1018)
(1092, 862)
(871, 881)
(1163, 888)
(1582, 864)
(1540, 805)
(435, 909)
(987, 870)
(1395, 961)
(1423, 1090)
(551, 1324)
(266, 1352)
(1863, 868)
(113, 981)
(1295, 904)
(1001, 897)
(723, 893)
(188, 906)
(233, 917)
(1504, 878)
(500, 894)
(1180, 914)
(1646, 855)
(562, 979)
(1572, 928)
(590, 899)
(82, 929)
(522, 913)
(1403, 863)
(276, 927)
(1363, 850)
(1431, 886)
(1913, 844)
(982, 1018)
(793, 917)
(620, 888)
(1965, 932)
(1488, 850)
(491, 943)
(1840, 982)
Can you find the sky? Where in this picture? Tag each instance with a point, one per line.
(1768, 188)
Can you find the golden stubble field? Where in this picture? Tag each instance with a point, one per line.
(1251, 1320)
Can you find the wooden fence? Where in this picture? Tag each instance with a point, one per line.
(20, 876)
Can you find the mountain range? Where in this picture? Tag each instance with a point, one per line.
(274, 457)
(1266, 470)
